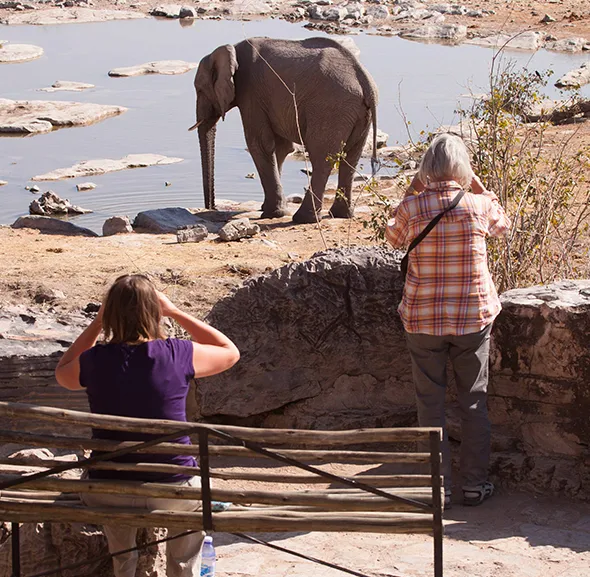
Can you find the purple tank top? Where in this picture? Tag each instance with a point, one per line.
(150, 381)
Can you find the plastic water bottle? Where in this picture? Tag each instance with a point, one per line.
(208, 558)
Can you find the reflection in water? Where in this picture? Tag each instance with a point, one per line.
(427, 78)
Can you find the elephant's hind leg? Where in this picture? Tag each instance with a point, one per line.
(312, 203)
(342, 206)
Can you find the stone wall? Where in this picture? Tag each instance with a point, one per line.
(322, 347)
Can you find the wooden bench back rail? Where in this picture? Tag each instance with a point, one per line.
(387, 503)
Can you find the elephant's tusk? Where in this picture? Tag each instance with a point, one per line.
(196, 125)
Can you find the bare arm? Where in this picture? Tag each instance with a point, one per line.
(67, 372)
(213, 352)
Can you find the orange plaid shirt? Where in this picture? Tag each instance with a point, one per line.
(449, 289)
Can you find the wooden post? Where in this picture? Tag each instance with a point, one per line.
(15, 549)
(437, 524)
(205, 479)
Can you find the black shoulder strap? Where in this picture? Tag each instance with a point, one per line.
(428, 228)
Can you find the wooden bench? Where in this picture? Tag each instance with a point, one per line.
(379, 503)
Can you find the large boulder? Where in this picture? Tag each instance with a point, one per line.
(323, 347)
(50, 225)
(321, 342)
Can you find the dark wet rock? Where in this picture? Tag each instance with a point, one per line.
(169, 220)
(50, 203)
(116, 225)
(92, 307)
(192, 233)
(167, 11)
(295, 198)
(322, 346)
(237, 229)
(188, 12)
(51, 225)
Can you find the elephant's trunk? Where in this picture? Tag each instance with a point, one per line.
(207, 142)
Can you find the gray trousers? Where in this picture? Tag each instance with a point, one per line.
(183, 555)
(469, 356)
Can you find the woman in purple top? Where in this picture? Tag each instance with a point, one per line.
(137, 372)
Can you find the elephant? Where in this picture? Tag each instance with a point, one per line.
(336, 102)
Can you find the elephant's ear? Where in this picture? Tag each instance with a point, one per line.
(225, 65)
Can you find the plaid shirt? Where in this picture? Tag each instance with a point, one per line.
(448, 290)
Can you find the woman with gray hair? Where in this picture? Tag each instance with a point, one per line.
(449, 301)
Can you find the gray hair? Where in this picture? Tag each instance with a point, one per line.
(447, 158)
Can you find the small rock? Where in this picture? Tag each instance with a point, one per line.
(85, 186)
(377, 12)
(167, 11)
(45, 295)
(34, 189)
(187, 12)
(251, 175)
(547, 18)
(51, 225)
(3, 182)
(50, 203)
(295, 198)
(167, 183)
(116, 225)
(92, 307)
(237, 229)
(192, 233)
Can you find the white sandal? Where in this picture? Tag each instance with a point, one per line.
(473, 496)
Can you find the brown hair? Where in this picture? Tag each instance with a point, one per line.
(132, 310)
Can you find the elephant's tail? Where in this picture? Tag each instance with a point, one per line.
(375, 164)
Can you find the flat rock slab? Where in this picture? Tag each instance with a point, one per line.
(525, 41)
(575, 44)
(166, 220)
(68, 16)
(13, 53)
(39, 116)
(51, 225)
(449, 32)
(104, 165)
(575, 78)
(66, 85)
(158, 67)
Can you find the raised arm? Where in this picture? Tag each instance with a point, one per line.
(213, 352)
(67, 372)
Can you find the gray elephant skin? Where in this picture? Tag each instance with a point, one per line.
(336, 102)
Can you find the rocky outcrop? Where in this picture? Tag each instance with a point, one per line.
(322, 347)
(529, 40)
(50, 203)
(116, 225)
(102, 166)
(68, 15)
(39, 116)
(575, 78)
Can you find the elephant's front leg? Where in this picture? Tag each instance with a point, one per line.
(263, 154)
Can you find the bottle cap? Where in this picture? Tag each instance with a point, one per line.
(208, 539)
